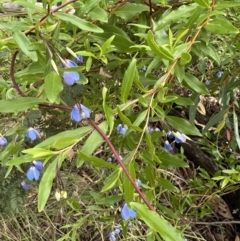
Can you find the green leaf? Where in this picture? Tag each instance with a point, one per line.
(128, 80)
(20, 160)
(31, 6)
(236, 131)
(108, 111)
(111, 180)
(23, 43)
(92, 142)
(185, 101)
(55, 140)
(127, 121)
(203, 3)
(185, 58)
(129, 10)
(157, 223)
(128, 189)
(95, 161)
(19, 104)
(39, 152)
(221, 26)
(194, 84)
(122, 42)
(80, 23)
(45, 185)
(160, 51)
(98, 14)
(226, 5)
(169, 160)
(214, 120)
(163, 182)
(183, 126)
(65, 142)
(53, 86)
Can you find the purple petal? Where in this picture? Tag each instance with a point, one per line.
(125, 212)
(30, 174)
(75, 114)
(85, 112)
(133, 213)
(167, 146)
(112, 236)
(38, 165)
(32, 134)
(24, 185)
(36, 173)
(3, 141)
(69, 63)
(70, 78)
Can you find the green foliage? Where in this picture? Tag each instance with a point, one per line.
(144, 67)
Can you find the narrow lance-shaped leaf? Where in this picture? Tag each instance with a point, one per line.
(127, 185)
(157, 223)
(53, 86)
(46, 184)
(18, 104)
(128, 80)
(160, 51)
(23, 43)
(108, 111)
(81, 23)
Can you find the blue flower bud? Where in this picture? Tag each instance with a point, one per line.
(117, 231)
(170, 135)
(207, 82)
(219, 74)
(3, 141)
(24, 185)
(33, 173)
(79, 59)
(112, 236)
(167, 146)
(32, 134)
(38, 165)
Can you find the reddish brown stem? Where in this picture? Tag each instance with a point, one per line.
(116, 155)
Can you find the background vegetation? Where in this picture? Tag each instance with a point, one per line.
(161, 80)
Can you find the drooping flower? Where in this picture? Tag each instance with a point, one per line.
(32, 134)
(79, 59)
(219, 74)
(117, 231)
(167, 146)
(72, 77)
(170, 135)
(33, 173)
(80, 112)
(127, 212)
(38, 165)
(179, 137)
(24, 185)
(112, 236)
(207, 82)
(3, 141)
(122, 129)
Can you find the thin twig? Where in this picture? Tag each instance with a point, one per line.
(116, 155)
(12, 75)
